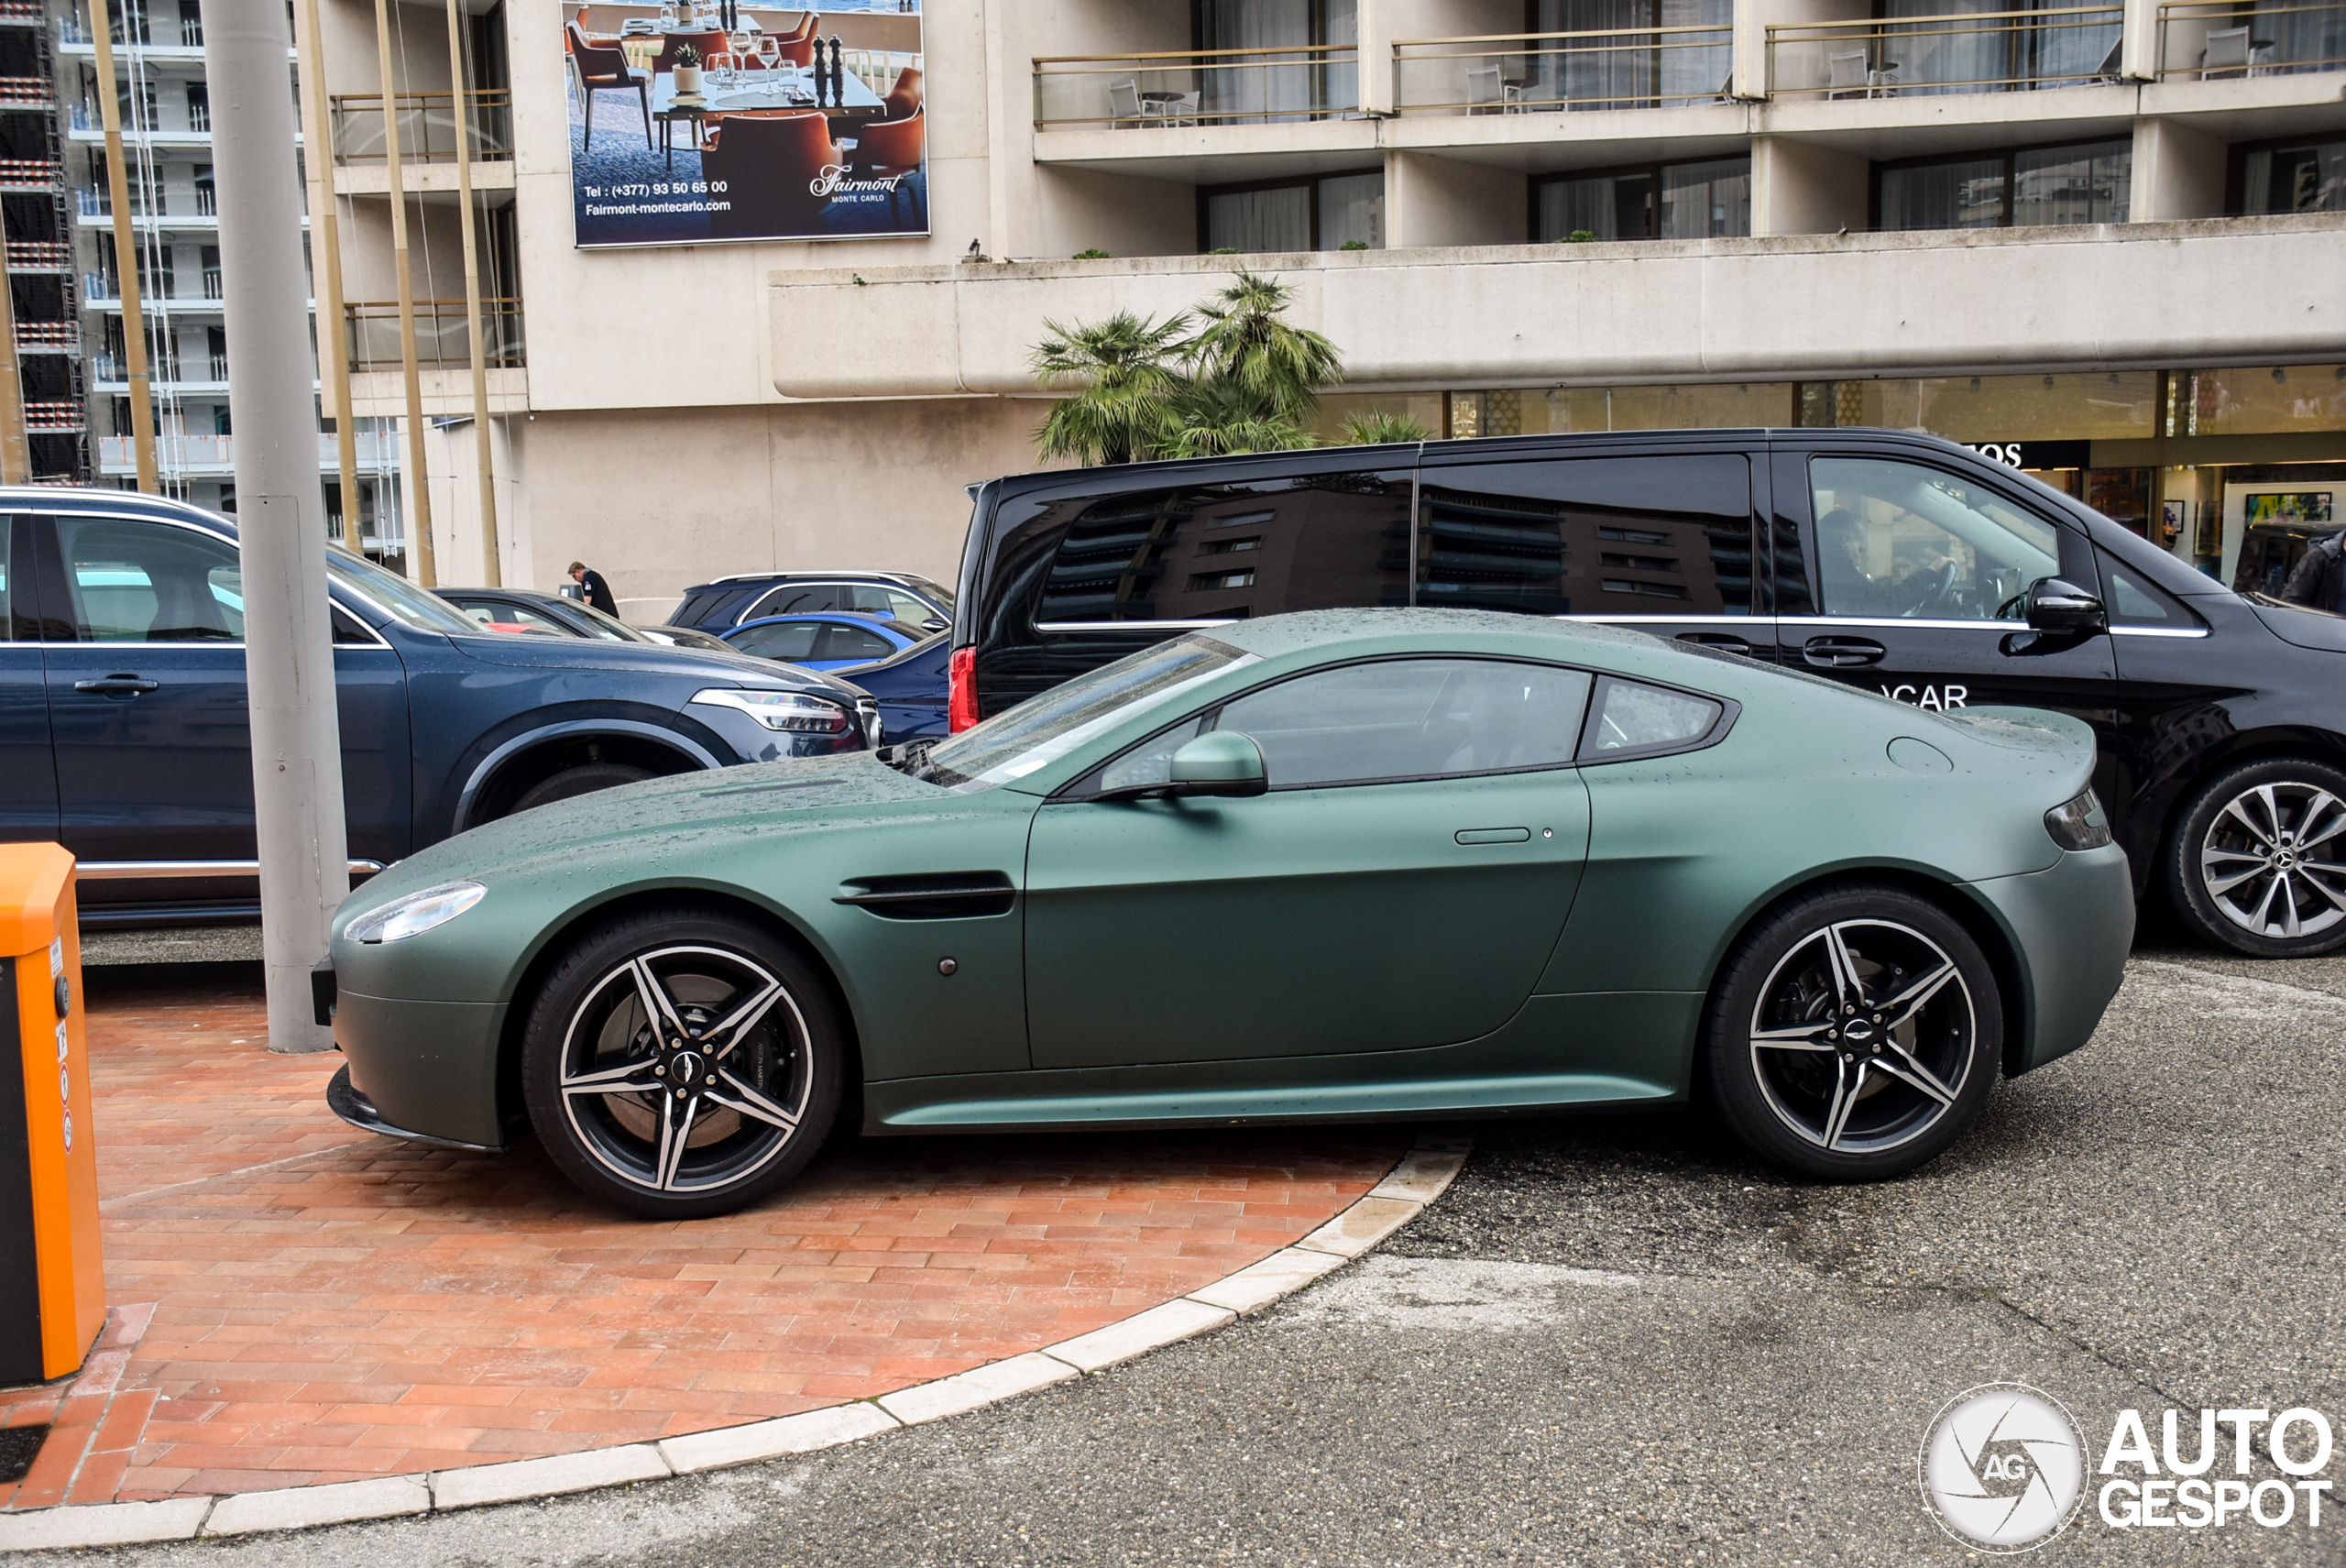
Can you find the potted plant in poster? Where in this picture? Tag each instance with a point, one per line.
(688, 72)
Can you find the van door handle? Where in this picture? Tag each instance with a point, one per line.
(117, 685)
(1842, 653)
(1724, 642)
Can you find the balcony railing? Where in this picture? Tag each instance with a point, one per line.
(443, 335)
(207, 201)
(39, 255)
(28, 174)
(177, 452)
(25, 92)
(48, 334)
(427, 125)
(23, 11)
(55, 414)
(169, 32)
(1986, 52)
(1511, 74)
(2208, 41)
(1216, 87)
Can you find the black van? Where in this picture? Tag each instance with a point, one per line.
(1899, 563)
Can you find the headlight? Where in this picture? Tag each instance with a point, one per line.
(2074, 824)
(415, 913)
(795, 713)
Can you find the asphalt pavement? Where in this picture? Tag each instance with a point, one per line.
(1619, 1340)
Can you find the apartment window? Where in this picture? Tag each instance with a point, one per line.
(1254, 89)
(1666, 200)
(1329, 213)
(1635, 67)
(199, 106)
(2081, 182)
(2295, 175)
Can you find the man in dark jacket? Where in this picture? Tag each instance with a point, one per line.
(597, 592)
(2319, 581)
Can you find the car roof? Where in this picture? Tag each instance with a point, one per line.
(739, 579)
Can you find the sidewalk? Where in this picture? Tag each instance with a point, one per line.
(295, 1304)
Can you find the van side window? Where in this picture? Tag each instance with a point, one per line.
(1228, 552)
(2134, 600)
(1600, 536)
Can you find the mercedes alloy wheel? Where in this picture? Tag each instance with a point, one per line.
(2259, 862)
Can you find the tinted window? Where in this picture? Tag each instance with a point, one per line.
(1229, 552)
(2134, 600)
(792, 640)
(804, 598)
(1898, 538)
(394, 594)
(856, 642)
(1396, 719)
(1631, 719)
(870, 599)
(487, 611)
(1596, 537)
(149, 582)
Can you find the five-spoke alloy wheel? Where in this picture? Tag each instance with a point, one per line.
(2259, 860)
(1854, 1033)
(682, 1064)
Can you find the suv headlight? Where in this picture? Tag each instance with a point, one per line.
(415, 913)
(2074, 824)
(794, 713)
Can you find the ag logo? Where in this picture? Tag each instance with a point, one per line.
(2004, 1467)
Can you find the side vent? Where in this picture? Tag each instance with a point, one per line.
(936, 895)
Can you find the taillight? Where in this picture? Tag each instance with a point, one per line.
(961, 688)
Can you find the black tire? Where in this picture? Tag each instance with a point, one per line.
(585, 779)
(608, 1095)
(1899, 1034)
(2258, 863)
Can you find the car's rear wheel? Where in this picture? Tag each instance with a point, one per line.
(585, 779)
(1854, 1034)
(679, 1063)
(2258, 859)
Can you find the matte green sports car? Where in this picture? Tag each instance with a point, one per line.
(1336, 865)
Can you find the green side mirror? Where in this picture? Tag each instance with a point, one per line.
(1222, 761)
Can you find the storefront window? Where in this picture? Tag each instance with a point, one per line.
(1704, 200)
(2260, 401)
(2291, 177)
(2083, 183)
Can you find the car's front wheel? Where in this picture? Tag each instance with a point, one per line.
(2258, 859)
(679, 1063)
(1854, 1033)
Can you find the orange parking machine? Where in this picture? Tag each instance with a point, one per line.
(53, 1285)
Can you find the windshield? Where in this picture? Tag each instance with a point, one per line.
(609, 627)
(388, 591)
(1044, 729)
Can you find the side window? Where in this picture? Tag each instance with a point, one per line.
(800, 599)
(1226, 552)
(1594, 536)
(1402, 719)
(2134, 600)
(150, 582)
(791, 642)
(348, 632)
(1899, 540)
(856, 642)
(1632, 720)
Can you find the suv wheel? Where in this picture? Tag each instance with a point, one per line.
(2258, 862)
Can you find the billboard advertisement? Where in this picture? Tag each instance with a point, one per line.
(699, 121)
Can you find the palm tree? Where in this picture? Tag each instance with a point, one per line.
(1248, 344)
(1126, 370)
(1383, 428)
(1215, 418)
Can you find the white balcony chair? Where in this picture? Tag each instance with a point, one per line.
(1848, 75)
(2230, 52)
(1488, 92)
(1171, 108)
(1124, 101)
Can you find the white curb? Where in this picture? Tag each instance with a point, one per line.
(1421, 1176)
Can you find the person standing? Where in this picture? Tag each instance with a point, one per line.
(2319, 581)
(597, 592)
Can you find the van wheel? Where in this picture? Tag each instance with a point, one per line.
(1854, 1033)
(571, 782)
(2258, 862)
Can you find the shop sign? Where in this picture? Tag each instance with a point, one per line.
(700, 121)
(2036, 454)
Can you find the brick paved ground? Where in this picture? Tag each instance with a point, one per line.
(296, 1303)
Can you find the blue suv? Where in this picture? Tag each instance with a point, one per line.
(122, 707)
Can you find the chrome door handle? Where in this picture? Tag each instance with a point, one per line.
(1842, 653)
(117, 685)
(1724, 642)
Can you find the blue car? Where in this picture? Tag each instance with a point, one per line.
(122, 707)
(910, 688)
(836, 642)
(728, 602)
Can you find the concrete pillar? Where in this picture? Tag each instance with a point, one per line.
(1798, 187)
(1440, 201)
(2178, 172)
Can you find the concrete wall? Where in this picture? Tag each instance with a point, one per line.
(2180, 173)
(1799, 187)
(1431, 201)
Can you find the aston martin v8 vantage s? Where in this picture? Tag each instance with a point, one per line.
(1335, 865)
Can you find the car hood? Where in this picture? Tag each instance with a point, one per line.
(648, 659)
(2315, 629)
(762, 798)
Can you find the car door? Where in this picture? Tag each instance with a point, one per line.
(1906, 577)
(1659, 542)
(27, 774)
(1400, 885)
(844, 643)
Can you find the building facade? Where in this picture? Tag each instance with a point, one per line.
(2103, 241)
